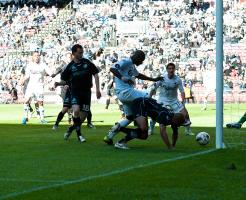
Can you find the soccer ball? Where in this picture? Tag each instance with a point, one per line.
(203, 138)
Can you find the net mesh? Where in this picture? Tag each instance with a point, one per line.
(233, 111)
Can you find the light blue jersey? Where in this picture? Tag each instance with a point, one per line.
(127, 69)
(125, 92)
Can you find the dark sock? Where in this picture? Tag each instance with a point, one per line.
(59, 118)
(107, 103)
(130, 134)
(71, 128)
(77, 123)
(30, 107)
(37, 109)
(89, 117)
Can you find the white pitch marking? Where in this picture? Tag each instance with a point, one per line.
(83, 179)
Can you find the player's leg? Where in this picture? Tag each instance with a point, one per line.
(178, 107)
(205, 100)
(187, 123)
(75, 115)
(238, 124)
(66, 106)
(70, 115)
(76, 123)
(140, 133)
(39, 98)
(89, 120)
(151, 126)
(26, 110)
(60, 116)
(243, 119)
(81, 106)
(107, 101)
(41, 111)
(37, 108)
(120, 124)
(174, 136)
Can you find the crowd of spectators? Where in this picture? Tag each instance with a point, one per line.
(178, 31)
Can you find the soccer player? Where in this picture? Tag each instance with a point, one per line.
(238, 124)
(78, 75)
(144, 107)
(125, 73)
(168, 96)
(35, 72)
(64, 92)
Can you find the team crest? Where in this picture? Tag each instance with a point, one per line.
(85, 66)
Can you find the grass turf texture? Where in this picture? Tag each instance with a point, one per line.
(34, 156)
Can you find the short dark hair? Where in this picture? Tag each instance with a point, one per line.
(171, 64)
(76, 47)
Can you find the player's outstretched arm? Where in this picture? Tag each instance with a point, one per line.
(144, 77)
(164, 136)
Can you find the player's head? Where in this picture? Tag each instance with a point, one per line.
(170, 69)
(138, 57)
(36, 57)
(77, 51)
(178, 119)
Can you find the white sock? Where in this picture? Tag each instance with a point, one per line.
(115, 129)
(187, 129)
(41, 112)
(205, 101)
(26, 110)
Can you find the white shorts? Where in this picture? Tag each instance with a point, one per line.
(127, 97)
(176, 105)
(35, 92)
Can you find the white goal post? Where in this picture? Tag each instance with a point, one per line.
(219, 74)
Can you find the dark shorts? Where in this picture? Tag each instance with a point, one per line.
(139, 108)
(67, 100)
(83, 99)
(143, 107)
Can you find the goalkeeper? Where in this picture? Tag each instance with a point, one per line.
(238, 124)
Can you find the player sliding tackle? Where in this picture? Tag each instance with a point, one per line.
(143, 108)
(168, 96)
(125, 73)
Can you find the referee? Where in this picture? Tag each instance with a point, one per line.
(78, 75)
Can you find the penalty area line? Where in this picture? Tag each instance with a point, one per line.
(114, 172)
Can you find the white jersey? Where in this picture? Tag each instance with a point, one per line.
(127, 69)
(167, 89)
(36, 72)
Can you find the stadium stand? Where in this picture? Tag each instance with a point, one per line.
(168, 31)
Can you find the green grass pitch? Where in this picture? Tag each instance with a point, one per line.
(36, 163)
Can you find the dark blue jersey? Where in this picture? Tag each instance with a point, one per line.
(79, 75)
